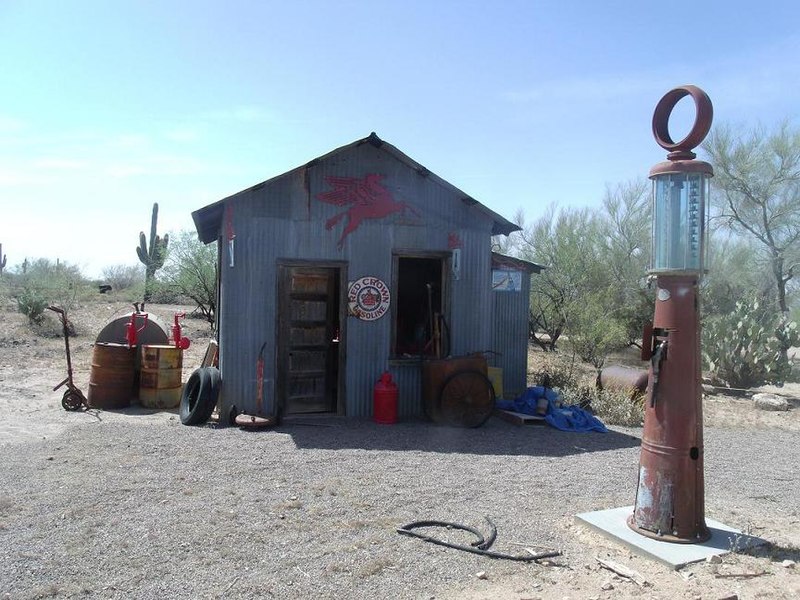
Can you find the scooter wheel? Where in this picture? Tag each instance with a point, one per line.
(71, 401)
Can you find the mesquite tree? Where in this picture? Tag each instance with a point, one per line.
(191, 272)
(757, 180)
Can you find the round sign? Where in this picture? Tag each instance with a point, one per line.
(368, 298)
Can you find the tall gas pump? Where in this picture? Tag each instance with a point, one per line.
(670, 493)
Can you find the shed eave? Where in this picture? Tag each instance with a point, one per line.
(208, 221)
(516, 263)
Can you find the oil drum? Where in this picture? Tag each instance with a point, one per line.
(111, 377)
(160, 376)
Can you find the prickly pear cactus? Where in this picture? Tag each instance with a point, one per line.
(748, 347)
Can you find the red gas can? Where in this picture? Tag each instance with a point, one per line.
(384, 400)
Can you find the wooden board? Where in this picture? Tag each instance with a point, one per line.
(518, 418)
(211, 356)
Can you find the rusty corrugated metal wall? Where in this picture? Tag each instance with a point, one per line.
(284, 220)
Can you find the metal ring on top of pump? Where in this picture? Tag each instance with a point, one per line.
(702, 122)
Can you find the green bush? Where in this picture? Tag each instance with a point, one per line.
(554, 374)
(32, 303)
(123, 277)
(162, 292)
(613, 407)
(43, 283)
(747, 347)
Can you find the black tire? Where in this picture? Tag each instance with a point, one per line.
(199, 396)
(466, 399)
(71, 401)
(215, 381)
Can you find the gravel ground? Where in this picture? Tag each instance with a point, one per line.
(132, 504)
(121, 507)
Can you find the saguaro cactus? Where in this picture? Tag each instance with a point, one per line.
(153, 256)
(2, 260)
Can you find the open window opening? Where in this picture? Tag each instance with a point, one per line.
(420, 325)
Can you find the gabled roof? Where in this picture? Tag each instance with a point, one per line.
(208, 219)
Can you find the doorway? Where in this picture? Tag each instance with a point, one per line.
(309, 340)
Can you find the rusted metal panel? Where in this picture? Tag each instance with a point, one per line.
(670, 493)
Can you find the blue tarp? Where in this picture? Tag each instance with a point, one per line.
(565, 418)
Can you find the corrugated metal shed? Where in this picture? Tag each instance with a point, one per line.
(292, 246)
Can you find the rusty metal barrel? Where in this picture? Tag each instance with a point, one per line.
(160, 376)
(628, 380)
(112, 375)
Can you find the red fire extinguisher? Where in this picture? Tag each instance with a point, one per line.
(180, 342)
(384, 400)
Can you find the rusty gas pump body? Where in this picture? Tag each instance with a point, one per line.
(670, 493)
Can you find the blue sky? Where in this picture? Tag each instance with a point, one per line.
(107, 107)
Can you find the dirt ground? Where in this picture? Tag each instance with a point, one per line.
(32, 363)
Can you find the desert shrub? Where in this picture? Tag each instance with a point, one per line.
(32, 303)
(59, 283)
(613, 407)
(162, 292)
(123, 277)
(5, 292)
(554, 373)
(42, 283)
(50, 326)
(747, 347)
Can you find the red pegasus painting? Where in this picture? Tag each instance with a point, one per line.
(366, 198)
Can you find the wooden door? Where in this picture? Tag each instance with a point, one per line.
(308, 344)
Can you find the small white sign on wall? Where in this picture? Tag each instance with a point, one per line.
(506, 281)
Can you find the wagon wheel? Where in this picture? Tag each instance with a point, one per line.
(72, 400)
(466, 399)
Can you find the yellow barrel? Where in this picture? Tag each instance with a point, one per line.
(495, 375)
(111, 377)
(160, 376)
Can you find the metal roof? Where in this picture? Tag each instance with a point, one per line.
(208, 219)
(501, 260)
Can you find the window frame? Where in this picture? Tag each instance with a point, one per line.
(445, 257)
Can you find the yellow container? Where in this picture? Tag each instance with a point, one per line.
(495, 375)
(160, 376)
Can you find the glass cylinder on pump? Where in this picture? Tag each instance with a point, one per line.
(679, 217)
